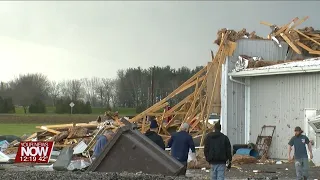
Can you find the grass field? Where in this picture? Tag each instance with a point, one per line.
(96, 111)
(20, 123)
(17, 129)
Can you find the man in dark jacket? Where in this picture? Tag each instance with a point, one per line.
(153, 135)
(180, 143)
(217, 150)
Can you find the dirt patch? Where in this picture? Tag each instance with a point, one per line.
(282, 171)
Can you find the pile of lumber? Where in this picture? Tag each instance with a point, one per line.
(305, 39)
(243, 159)
(66, 135)
(235, 35)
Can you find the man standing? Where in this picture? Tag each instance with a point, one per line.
(180, 143)
(217, 150)
(299, 142)
(153, 135)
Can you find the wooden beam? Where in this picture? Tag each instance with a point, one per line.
(283, 28)
(314, 52)
(266, 23)
(170, 112)
(153, 108)
(190, 85)
(220, 60)
(304, 46)
(232, 46)
(171, 95)
(32, 136)
(197, 93)
(49, 130)
(311, 39)
(294, 47)
(300, 22)
(143, 124)
(291, 25)
(66, 126)
(161, 114)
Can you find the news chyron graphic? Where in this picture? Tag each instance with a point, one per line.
(34, 152)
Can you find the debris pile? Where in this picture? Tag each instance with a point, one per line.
(65, 135)
(243, 159)
(305, 39)
(234, 35)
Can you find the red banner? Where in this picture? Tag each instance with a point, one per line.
(34, 152)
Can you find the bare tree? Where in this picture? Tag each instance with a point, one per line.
(27, 87)
(107, 86)
(90, 86)
(113, 95)
(54, 91)
(73, 89)
(100, 92)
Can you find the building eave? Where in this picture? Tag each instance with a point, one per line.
(273, 71)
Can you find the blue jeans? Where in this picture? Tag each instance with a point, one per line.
(302, 167)
(218, 171)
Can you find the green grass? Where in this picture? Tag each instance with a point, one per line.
(97, 111)
(18, 129)
(21, 123)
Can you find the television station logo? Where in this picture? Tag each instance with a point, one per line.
(34, 152)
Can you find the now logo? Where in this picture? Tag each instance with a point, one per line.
(34, 151)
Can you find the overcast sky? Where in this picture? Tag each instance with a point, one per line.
(80, 39)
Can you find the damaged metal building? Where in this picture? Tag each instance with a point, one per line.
(277, 97)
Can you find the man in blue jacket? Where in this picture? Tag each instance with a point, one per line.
(180, 143)
(102, 141)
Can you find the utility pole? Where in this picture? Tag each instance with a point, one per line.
(152, 85)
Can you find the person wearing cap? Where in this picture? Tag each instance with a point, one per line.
(217, 150)
(102, 141)
(299, 142)
(180, 143)
(153, 135)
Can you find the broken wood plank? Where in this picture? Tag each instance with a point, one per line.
(300, 22)
(294, 47)
(232, 46)
(314, 52)
(304, 46)
(266, 23)
(283, 28)
(160, 114)
(50, 130)
(66, 126)
(311, 39)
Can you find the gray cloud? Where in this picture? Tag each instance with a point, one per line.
(96, 38)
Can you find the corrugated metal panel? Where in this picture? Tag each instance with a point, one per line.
(236, 92)
(280, 100)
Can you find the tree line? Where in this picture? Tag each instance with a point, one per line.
(132, 88)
